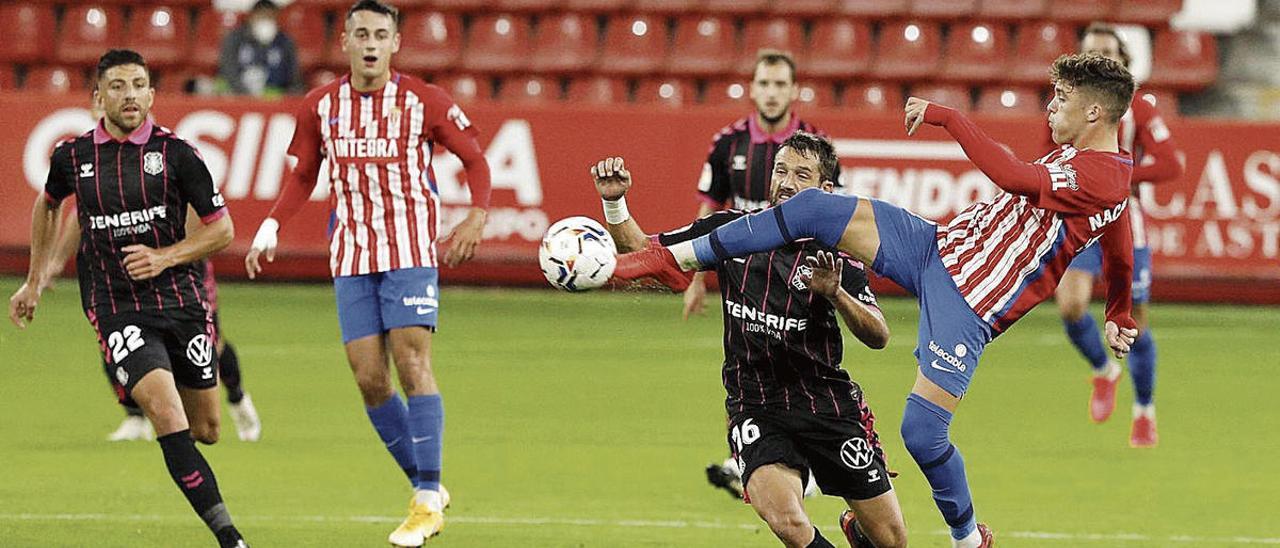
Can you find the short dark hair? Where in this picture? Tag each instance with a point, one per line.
(816, 147)
(1108, 30)
(375, 6)
(1110, 81)
(118, 57)
(774, 57)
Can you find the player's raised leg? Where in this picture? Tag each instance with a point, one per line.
(776, 493)
(1072, 295)
(875, 522)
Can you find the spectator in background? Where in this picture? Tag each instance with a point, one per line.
(257, 58)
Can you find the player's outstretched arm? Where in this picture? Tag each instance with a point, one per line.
(453, 129)
(44, 221)
(299, 183)
(612, 181)
(1117, 270)
(864, 321)
(144, 263)
(1006, 171)
(65, 244)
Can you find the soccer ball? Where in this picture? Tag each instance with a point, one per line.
(577, 254)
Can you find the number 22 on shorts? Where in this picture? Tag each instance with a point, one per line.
(124, 341)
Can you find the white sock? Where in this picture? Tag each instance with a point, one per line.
(1112, 371)
(974, 540)
(430, 498)
(1148, 411)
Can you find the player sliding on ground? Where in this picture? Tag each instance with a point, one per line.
(975, 276)
(793, 411)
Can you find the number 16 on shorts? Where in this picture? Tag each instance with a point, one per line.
(744, 434)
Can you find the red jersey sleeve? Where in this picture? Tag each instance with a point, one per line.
(1006, 171)
(1161, 159)
(449, 126)
(300, 180)
(1117, 270)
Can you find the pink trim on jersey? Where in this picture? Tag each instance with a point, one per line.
(220, 213)
(758, 134)
(139, 136)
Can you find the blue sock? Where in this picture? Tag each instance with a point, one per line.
(811, 213)
(1142, 366)
(924, 431)
(426, 428)
(1084, 334)
(390, 421)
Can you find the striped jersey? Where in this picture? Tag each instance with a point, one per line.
(134, 191)
(377, 149)
(739, 168)
(1006, 255)
(1143, 131)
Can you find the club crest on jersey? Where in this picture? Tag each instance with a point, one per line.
(153, 163)
(393, 116)
(359, 148)
(800, 280)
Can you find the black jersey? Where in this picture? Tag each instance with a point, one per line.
(739, 165)
(129, 192)
(782, 344)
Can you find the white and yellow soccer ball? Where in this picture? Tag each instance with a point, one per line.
(577, 254)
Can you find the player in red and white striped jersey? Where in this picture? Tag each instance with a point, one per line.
(376, 130)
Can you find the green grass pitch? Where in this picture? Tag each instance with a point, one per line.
(586, 420)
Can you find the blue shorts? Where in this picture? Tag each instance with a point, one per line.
(1090, 260)
(375, 303)
(952, 336)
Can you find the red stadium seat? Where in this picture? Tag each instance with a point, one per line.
(430, 41)
(1147, 12)
(320, 77)
(805, 8)
(8, 80)
(30, 32)
(529, 5)
(872, 8)
(840, 48)
(670, 92)
(726, 91)
(461, 5)
(703, 46)
(950, 95)
(943, 9)
(596, 6)
(667, 6)
(1184, 60)
(1010, 100)
(1011, 9)
(876, 97)
(1083, 11)
(56, 80)
(162, 35)
(778, 33)
(1166, 101)
(466, 89)
(498, 43)
(565, 43)
(1037, 45)
(741, 7)
(88, 30)
(633, 44)
(908, 50)
(211, 27)
(598, 90)
(306, 25)
(529, 90)
(171, 82)
(817, 95)
(977, 52)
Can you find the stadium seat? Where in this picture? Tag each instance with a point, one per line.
(1037, 45)
(840, 48)
(1010, 100)
(872, 8)
(739, 7)
(172, 82)
(162, 35)
(529, 5)
(1011, 9)
(1147, 12)
(1184, 60)
(977, 52)
(667, 6)
(670, 92)
(565, 43)
(529, 90)
(634, 44)
(596, 6)
(951, 95)
(461, 5)
(876, 97)
(1166, 101)
(211, 27)
(598, 90)
(908, 50)
(498, 43)
(8, 80)
(703, 46)
(817, 95)
(306, 25)
(943, 9)
(88, 30)
(725, 92)
(1083, 11)
(31, 32)
(56, 79)
(320, 77)
(466, 89)
(777, 33)
(429, 41)
(805, 8)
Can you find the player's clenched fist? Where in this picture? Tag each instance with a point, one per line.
(1120, 339)
(611, 178)
(22, 306)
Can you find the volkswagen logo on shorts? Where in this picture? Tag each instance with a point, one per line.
(199, 351)
(856, 453)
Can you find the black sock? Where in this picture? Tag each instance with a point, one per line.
(229, 537)
(229, 370)
(818, 541)
(195, 479)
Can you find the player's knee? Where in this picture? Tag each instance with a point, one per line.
(1072, 309)
(791, 526)
(206, 431)
(924, 434)
(375, 386)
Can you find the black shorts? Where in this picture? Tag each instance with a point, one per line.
(843, 452)
(135, 344)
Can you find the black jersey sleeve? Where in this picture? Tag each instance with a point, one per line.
(700, 227)
(196, 184)
(62, 174)
(714, 183)
(854, 280)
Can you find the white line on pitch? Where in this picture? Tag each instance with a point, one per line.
(655, 524)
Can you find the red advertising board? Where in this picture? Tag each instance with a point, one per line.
(1219, 226)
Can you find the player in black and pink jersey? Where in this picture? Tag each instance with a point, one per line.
(141, 283)
(794, 412)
